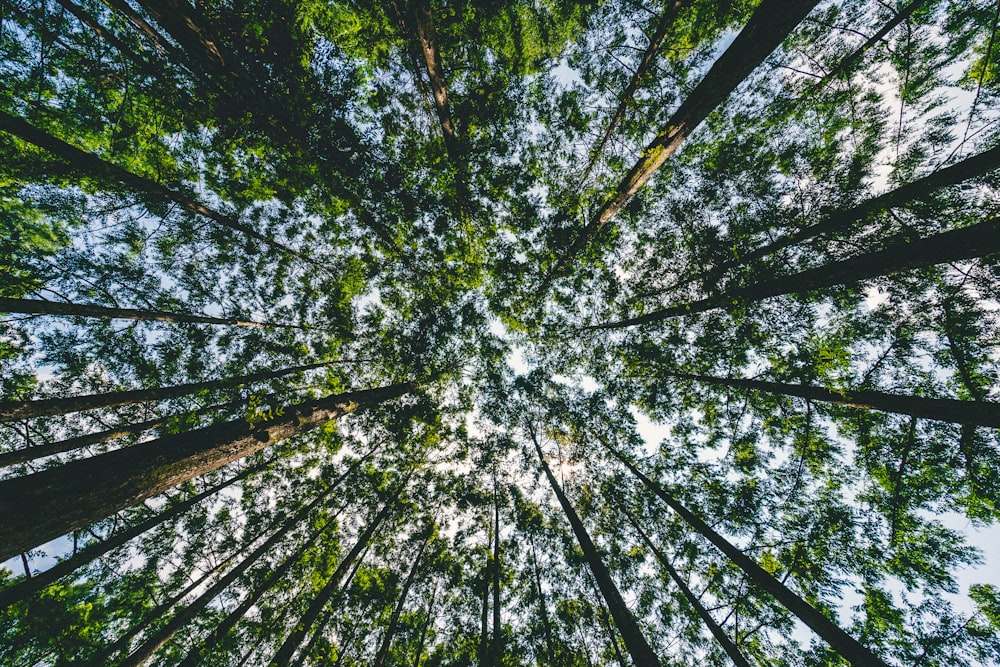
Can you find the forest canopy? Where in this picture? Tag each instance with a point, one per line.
(435, 333)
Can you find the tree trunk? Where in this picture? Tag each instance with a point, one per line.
(21, 590)
(92, 166)
(287, 650)
(41, 307)
(496, 645)
(731, 649)
(770, 24)
(981, 413)
(390, 630)
(50, 503)
(977, 240)
(49, 407)
(144, 652)
(423, 630)
(638, 647)
(546, 626)
(840, 641)
(424, 23)
(662, 26)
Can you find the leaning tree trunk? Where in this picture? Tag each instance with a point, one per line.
(421, 642)
(731, 649)
(390, 629)
(39, 507)
(840, 641)
(977, 240)
(770, 24)
(41, 307)
(49, 407)
(287, 650)
(152, 644)
(980, 413)
(638, 647)
(41, 580)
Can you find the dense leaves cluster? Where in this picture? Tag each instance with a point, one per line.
(451, 333)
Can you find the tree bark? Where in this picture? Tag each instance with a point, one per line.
(423, 630)
(23, 589)
(546, 626)
(662, 26)
(50, 503)
(980, 413)
(92, 166)
(731, 649)
(977, 240)
(49, 407)
(42, 307)
(769, 25)
(843, 643)
(635, 642)
(496, 644)
(294, 639)
(424, 23)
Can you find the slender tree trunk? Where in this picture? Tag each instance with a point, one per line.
(485, 613)
(543, 610)
(423, 630)
(977, 240)
(840, 641)
(770, 24)
(638, 647)
(981, 413)
(144, 652)
(662, 26)
(496, 646)
(219, 632)
(50, 503)
(49, 407)
(92, 166)
(41, 307)
(424, 23)
(390, 630)
(23, 589)
(294, 639)
(731, 649)
(103, 33)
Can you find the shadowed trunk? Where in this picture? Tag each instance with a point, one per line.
(390, 630)
(39, 507)
(635, 642)
(49, 407)
(840, 641)
(769, 25)
(979, 240)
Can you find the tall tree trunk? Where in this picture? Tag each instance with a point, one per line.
(543, 610)
(770, 24)
(484, 643)
(39, 507)
(49, 407)
(390, 630)
(92, 166)
(219, 632)
(977, 240)
(844, 220)
(981, 413)
(662, 26)
(496, 645)
(424, 23)
(731, 649)
(144, 652)
(840, 641)
(287, 650)
(21, 590)
(41, 307)
(635, 642)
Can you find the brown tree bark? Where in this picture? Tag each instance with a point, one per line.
(42, 307)
(426, 35)
(772, 21)
(23, 589)
(731, 649)
(981, 413)
(635, 642)
(977, 240)
(843, 643)
(42, 506)
(287, 650)
(48, 407)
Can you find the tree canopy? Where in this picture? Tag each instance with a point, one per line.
(443, 334)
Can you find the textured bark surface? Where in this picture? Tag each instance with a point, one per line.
(39, 507)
